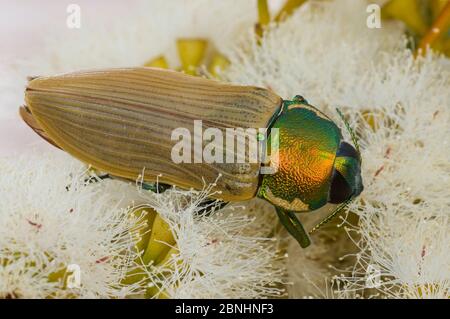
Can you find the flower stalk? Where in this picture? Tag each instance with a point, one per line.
(437, 30)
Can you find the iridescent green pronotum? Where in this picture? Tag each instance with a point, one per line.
(120, 121)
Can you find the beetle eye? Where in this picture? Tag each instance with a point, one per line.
(346, 150)
(340, 191)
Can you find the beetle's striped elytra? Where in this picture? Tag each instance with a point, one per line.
(121, 121)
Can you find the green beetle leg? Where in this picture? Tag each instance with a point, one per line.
(293, 226)
(209, 206)
(152, 187)
(155, 187)
(206, 207)
(93, 179)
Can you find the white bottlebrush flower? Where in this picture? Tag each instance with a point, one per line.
(404, 253)
(326, 53)
(50, 220)
(222, 254)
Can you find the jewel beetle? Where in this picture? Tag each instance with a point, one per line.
(121, 121)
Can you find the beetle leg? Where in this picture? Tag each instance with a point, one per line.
(293, 226)
(208, 206)
(153, 187)
(104, 176)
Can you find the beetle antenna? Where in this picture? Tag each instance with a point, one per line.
(332, 215)
(350, 130)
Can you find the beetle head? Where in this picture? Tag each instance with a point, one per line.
(346, 178)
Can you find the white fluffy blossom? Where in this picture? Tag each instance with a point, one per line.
(50, 220)
(224, 253)
(326, 53)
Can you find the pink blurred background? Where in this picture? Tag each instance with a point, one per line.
(24, 26)
(25, 23)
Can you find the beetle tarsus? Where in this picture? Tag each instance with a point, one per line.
(293, 226)
(155, 187)
(208, 206)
